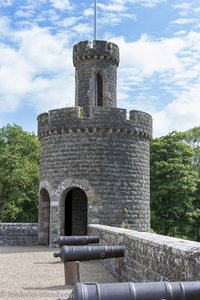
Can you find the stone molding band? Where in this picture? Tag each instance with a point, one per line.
(94, 130)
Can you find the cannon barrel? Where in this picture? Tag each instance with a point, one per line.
(76, 240)
(137, 291)
(86, 253)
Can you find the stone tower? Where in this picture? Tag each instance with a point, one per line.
(94, 160)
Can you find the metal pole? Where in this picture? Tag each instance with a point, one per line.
(72, 272)
(95, 20)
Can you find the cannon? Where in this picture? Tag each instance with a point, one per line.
(86, 253)
(137, 291)
(76, 240)
(71, 255)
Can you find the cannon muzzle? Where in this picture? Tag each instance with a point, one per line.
(76, 240)
(137, 291)
(56, 254)
(86, 253)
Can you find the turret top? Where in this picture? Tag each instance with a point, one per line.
(99, 50)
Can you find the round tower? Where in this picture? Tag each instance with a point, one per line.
(94, 161)
(95, 74)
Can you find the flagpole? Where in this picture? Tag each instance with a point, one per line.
(95, 20)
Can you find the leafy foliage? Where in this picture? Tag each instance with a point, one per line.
(19, 175)
(174, 182)
(193, 139)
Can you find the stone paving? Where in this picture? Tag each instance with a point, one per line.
(33, 273)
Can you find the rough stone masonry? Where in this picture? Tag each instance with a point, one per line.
(94, 161)
(150, 256)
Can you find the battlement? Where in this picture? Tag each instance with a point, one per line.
(99, 50)
(109, 120)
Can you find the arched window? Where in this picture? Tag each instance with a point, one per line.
(99, 90)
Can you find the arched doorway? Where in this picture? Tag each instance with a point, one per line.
(44, 217)
(76, 212)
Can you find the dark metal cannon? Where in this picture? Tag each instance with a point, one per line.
(71, 255)
(76, 240)
(137, 291)
(86, 253)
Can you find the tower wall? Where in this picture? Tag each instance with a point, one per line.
(89, 60)
(110, 152)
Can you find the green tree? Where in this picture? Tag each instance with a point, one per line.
(173, 185)
(193, 139)
(19, 175)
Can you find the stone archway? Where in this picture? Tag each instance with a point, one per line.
(44, 217)
(76, 211)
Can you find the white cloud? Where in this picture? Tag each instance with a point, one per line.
(83, 29)
(31, 5)
(14, 78)
(88, 12)
(184, 6)
(115, 7)
(61, 4)
(4, 27)
(24, 13)
(162, 78)
(145, 57)
(52, 93)
(6, 3)
(181, 114)
(115, 19)
(69, 21)
(147, 3)
(183, 21)
(39, 71)
(113, 13)
(43, 50)
(188, 14)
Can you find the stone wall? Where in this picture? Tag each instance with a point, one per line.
(150, 257)
(18, 234)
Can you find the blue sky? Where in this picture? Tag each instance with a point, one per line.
(159, 70)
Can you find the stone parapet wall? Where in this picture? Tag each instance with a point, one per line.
(99, 50)
(102, 119)
(18, 234)
(149, 256)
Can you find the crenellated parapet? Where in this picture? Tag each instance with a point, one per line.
(104, 120)
(142, 121)
(99, 50)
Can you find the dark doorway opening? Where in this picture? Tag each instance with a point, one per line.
(99, 90)
(76, 212)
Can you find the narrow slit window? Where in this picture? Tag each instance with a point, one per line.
(99, 91)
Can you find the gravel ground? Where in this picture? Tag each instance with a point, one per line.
(33, 273)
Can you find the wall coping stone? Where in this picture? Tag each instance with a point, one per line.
(150, 256)
(153, 238)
